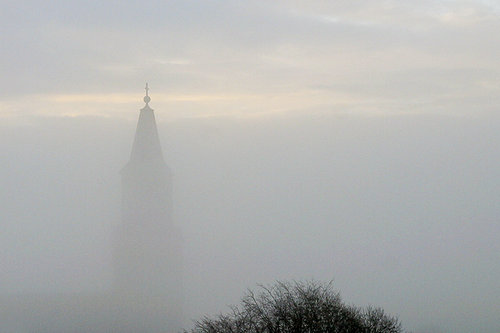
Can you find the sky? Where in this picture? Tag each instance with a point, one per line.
(244, 58)
(353, 141)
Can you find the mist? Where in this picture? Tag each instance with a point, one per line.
(398, 211)
(346, 141)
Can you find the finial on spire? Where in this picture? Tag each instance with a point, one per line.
(147, 99)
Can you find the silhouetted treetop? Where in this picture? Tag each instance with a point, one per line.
(298, 307)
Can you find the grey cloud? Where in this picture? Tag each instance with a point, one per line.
(249, 46)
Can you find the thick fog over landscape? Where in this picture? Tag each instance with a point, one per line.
(399, 211)
(339, 141)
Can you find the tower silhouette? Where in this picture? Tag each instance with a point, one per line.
(147, 282)
(147, 253)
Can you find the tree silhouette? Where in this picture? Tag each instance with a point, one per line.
(298, 307)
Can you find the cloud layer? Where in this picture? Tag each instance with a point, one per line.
(391, 56)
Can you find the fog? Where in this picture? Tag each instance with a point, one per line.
(400, 211)
(345, 141)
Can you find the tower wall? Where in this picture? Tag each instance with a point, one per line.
(148, 246)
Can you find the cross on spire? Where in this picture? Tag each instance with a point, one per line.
(147, 99)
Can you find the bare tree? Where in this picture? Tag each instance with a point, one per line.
(297, 307)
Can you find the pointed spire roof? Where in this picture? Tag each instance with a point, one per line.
(146, 146)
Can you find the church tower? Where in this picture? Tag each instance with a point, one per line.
(147, 257)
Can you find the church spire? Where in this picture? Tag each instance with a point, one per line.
(148, 248)
(146, 146)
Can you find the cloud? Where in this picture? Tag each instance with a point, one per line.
(323, 54)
